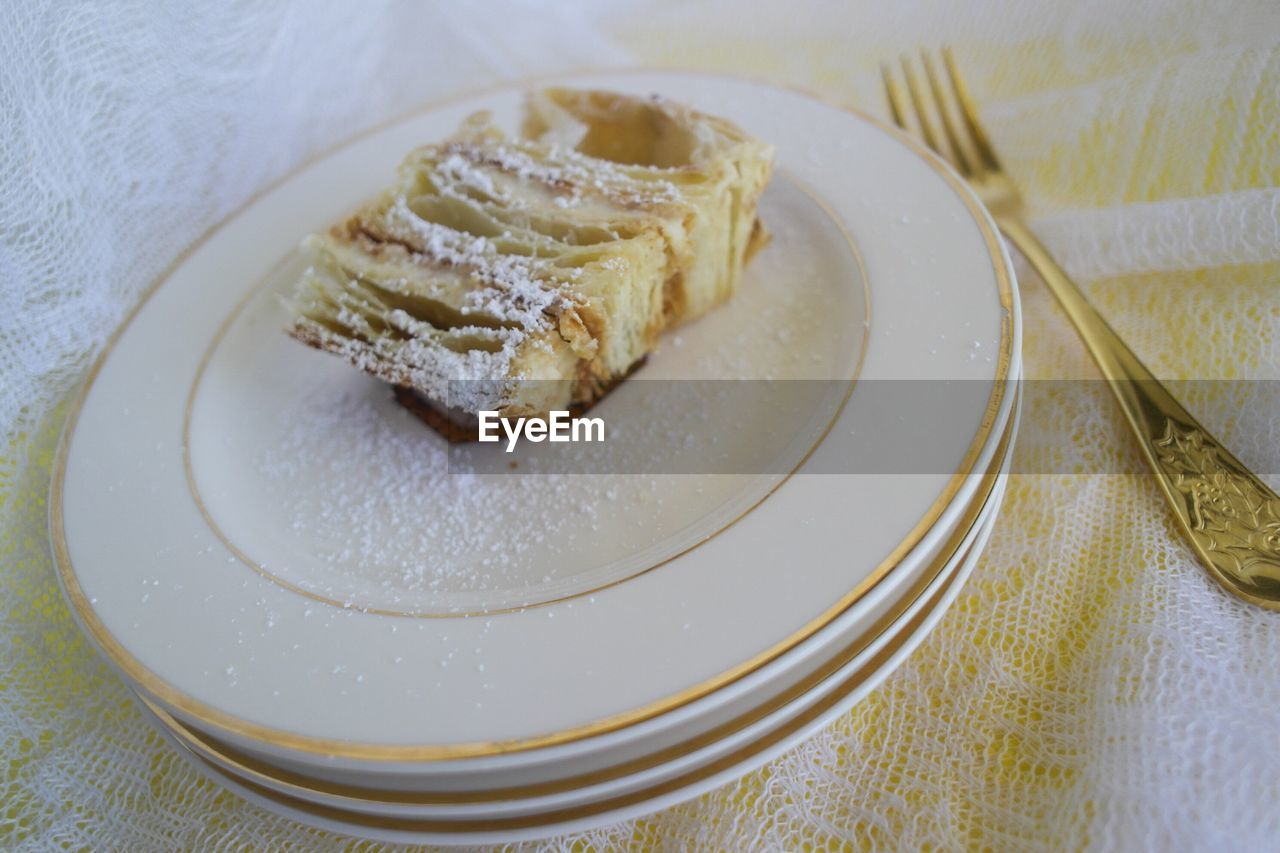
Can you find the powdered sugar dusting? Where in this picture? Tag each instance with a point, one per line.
(565, 170)
(428, 363)
(387, 523)
(515, 288)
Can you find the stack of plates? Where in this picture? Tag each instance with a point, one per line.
(333, 616)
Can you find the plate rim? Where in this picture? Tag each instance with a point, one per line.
(136, 672)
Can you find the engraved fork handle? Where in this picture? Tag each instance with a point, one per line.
(1230, 518)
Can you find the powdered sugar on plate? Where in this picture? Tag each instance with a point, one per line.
(390, 525)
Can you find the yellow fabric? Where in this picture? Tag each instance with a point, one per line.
(1090, 688)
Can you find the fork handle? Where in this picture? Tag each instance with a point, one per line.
(1230, 518)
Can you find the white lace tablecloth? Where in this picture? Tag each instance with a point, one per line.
(1090, 687)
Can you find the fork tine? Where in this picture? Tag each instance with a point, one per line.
(898, 108)
(980, 141)
(925, 120)
(965, 156)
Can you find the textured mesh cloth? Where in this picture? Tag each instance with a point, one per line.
(1090, 688)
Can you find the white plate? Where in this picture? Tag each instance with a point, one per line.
(784, 729)
(226, 630)
(654, 768)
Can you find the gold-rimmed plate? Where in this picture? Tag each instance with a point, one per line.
(925, 593)
(214, 608)
(778, 731)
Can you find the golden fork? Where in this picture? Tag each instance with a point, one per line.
(1229, 516)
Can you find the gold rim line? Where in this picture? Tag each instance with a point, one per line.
(587, 810)
(257, 567)
(259, 769)
(176, 699)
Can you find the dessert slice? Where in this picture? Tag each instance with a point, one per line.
(529, 274)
